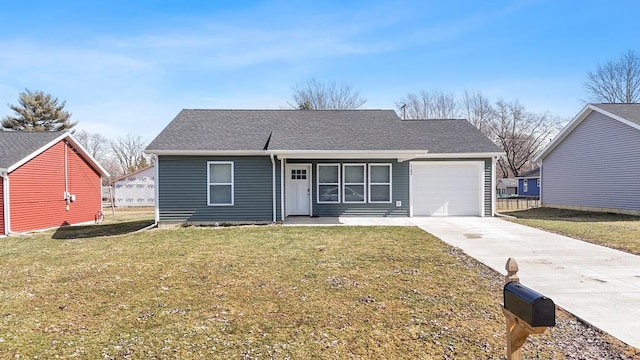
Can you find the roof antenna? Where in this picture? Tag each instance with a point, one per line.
(403, 108)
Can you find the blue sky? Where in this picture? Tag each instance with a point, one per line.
(129, 66)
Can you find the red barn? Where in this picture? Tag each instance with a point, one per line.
(47, 180)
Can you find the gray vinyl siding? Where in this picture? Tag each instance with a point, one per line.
(182, 190)
(596, 166)
(487, 188)
(399, 190)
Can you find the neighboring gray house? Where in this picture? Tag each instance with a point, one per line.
(507, 186)
(594, 163)
(264, 165)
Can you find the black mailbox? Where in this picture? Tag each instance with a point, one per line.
(529, 305)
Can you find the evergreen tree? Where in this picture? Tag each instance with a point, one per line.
(38, 112)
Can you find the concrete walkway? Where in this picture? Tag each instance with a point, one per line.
(597, 284)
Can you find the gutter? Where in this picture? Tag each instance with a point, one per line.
(273, 185)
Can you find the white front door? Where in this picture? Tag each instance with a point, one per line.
(298, 189)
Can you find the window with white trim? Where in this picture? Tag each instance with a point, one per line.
(328, 191)
(353, 183)
(220, 183)
(538, 182)
(379, 183)
(525, 185)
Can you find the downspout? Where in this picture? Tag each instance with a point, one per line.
(493, 186)
(66, 177)
(282, 165)
(5, 200)
(273, 183)
(156, 207)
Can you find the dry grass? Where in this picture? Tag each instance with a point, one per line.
(616, 231)
(249, 292)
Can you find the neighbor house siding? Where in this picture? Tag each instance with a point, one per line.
(182, 190)
(37, 191)
(532, 187)
(399, 190)
(595, 166)
(2, 230)
(137, 189)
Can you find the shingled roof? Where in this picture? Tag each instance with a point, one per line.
(316, 130)
(16, 145)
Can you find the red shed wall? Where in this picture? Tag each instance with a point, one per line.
(37, 188)
(2, 232)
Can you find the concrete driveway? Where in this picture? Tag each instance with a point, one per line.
(597, 284)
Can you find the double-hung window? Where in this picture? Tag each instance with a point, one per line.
(220, 183)
(379, 183)
(353, 183)
(525, 185)
(328, 183)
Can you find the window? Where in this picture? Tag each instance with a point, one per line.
(353, 183)
(328, 183)
(379, 183)
(525, 185)
(220, 183)
(538, 182)
(298, 174)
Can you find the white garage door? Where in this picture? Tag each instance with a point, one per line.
(446, 188)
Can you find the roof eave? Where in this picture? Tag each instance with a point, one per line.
(588, 109)
(62, 136)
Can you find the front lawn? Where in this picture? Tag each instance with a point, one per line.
(616, 231)
(257, 293)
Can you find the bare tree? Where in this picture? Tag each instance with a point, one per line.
(616, 81)
(96, 144)
(128, 151)
(520, 134)
(428, 105)
(318, 95)
(477, 109)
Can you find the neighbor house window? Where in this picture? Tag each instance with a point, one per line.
(353, 183)
(220, 183)
(328, 183)
(525, 185)
(379, 183)
(538, 182)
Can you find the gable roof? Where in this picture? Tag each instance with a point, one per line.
(131, 174)
(281, 131)
(530, 174)
(509, 182)
(18, 147)
(628, 114)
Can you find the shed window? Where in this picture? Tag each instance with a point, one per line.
(525, 185)
(220, 183)
(328, 183)
(379, 183)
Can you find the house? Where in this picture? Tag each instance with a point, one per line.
(47, 180)
(529, 183)
(136, 188)
(228, 166)
(594, 163)
(507, 186)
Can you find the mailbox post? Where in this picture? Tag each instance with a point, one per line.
(526, 311)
